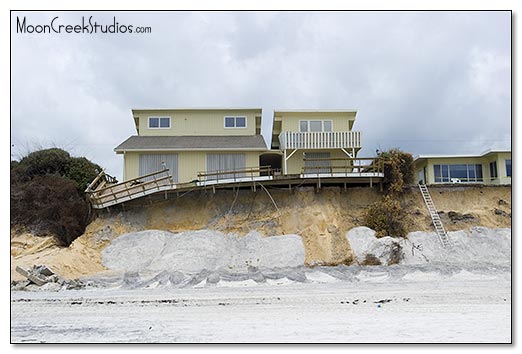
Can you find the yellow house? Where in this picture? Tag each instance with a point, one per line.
(491, 167)
(181, 149)
(189, 141)
(305, 137)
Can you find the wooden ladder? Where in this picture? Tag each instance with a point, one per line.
(435, 218)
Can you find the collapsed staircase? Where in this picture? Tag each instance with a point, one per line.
(435, 218)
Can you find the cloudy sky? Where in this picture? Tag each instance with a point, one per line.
(426, 82)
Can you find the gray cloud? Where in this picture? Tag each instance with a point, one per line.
(427, 82)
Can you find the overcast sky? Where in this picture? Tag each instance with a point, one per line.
(426, 82)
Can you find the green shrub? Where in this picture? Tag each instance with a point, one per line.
(47, 193)
(47, 161)
(49, 205)
(14, 164)
(386, 217)
(82, 172)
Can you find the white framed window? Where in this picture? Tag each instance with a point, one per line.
(508, 168)
(232, 122)
(159, 122)
(461, 172)
(315, 126)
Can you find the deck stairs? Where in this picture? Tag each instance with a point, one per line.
(435, 218)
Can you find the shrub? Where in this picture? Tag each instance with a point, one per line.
(14, 164)
(47, 193)
(82, 172)
(49, 204)
(47, 161)
(398, 170)
(386, 217)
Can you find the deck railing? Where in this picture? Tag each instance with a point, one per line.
(115, 193)
(346, 166)
(320, 140)
(236, 175)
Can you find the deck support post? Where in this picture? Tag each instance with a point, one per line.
(345, 186)
(371, 184)
(213, 189)
(284, 161)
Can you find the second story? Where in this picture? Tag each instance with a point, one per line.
(314, 129)
(197, 122)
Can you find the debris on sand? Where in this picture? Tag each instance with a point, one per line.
(41, 277)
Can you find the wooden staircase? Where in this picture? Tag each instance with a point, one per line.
(435, 218)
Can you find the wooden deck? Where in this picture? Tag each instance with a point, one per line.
(104, 193)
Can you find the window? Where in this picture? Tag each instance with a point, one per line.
(315, 126)
(240, 122)
(463, 172)
(459, 171)
(493, 169)
(159, 122)
(508, 168)
(441, 173)
(235, 122)
(230, 122)
(327, 126)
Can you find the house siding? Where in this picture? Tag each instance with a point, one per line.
(189, 162)
(340, 122)
(197, 123)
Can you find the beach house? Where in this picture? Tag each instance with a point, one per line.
(191, 141)
(492, 167)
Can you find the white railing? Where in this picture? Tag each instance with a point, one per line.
(320, 140)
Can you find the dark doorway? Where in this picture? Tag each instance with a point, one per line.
(272, 160)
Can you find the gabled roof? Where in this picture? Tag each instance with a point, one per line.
(180, 143)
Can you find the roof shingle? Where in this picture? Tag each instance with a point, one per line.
(252, 142)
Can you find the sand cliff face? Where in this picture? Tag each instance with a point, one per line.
(322, 220)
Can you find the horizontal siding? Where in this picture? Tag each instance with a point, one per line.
(290, 122)
(197, 123)
(296, 163)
